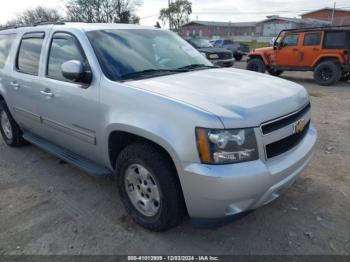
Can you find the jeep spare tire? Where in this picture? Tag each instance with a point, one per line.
(327, 73)
(256, 65)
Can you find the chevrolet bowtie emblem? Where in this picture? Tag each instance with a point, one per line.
(299, 126)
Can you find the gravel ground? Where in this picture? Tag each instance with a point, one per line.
(48, 207)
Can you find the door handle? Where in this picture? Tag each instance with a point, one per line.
(295, 49)
(47, 93)
(315, 49)
(15, 85)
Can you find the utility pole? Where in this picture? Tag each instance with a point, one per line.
(170, 19)
(335, 3)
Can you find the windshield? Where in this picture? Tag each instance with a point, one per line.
(125, 52)
(200, 43)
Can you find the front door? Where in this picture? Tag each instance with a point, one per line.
(69, 110)
(288, 53)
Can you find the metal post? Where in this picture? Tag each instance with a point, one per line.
(335, 3)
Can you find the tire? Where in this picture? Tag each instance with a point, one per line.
(275, 72)
(10, 130)
(165, 199)
(327, 73)
(345, 77)
(238, 57)
(256, 65)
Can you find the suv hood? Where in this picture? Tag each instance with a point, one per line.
(239, 98)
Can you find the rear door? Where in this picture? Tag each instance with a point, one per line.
(288, 53)
(6, 44)
(24, 85)
(311, 48)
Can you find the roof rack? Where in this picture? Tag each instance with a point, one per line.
(317, 28)
(58, 22)
(35, 24)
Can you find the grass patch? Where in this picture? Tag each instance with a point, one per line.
(255, 45)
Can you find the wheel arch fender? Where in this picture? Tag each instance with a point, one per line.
(327, 57)
(261, 56)
(144, 134)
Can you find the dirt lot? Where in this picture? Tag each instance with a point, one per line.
(48, 207)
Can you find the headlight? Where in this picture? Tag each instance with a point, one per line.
(213, 56)
(226, 146)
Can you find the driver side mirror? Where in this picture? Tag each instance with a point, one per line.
(279, 45)
(74, 70)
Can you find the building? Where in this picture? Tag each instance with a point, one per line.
(215, 30)
(273, 25)
(340, 16)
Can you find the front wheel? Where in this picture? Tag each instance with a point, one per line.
(275, 72)
(10, 131)
(327, 73)
(149, 187)
(256, 65)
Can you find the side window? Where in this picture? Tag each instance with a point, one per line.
(291, 40)
(335, 40)
(64, 47)
(312, 39)
(29, 53)
(6, 42)
(228, 42)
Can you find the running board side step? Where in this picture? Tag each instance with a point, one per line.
(70, 157)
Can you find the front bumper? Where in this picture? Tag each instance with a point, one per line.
(223, 63)
(215, 192)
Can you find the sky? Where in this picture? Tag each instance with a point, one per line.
(209, 10)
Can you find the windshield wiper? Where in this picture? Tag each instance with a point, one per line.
(150, 72)
(196, 66)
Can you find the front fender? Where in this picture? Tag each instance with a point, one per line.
(258, 55)
(169, 123)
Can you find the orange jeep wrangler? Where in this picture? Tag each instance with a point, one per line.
(325, 51)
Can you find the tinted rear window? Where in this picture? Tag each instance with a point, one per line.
(6, 42)
(29, 55)
(312, 39)
(335, 40)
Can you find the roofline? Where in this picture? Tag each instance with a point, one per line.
(325, 8)
(223, 23)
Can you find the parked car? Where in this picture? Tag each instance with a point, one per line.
(325, 51)
(218, 56)
(141, 104)
(238, 49)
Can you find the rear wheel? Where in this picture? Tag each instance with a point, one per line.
(275, 72)
(10, 131)
(327, 73)
(345, 76)
(256, 65)
(149, 187)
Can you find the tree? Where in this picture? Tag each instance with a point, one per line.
(36, 15)
(103, 11)
(179, 11)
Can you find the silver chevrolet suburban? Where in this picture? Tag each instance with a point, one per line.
(180, 135)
